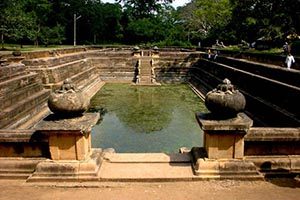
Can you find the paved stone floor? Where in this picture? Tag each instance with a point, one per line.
(225, 190)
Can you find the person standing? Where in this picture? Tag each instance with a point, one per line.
(286, 48)
(289, 60)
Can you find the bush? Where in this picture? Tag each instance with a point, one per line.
(169, 43)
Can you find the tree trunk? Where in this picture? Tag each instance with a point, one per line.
(95, 38)
(2, 40)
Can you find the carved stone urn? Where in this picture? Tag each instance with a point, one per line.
(225, 101)
(68, 101)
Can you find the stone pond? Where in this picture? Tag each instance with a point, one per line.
(146, 118)
(145, 123)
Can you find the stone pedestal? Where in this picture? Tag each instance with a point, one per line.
(224, 139)
(69, 139)
(223, 154)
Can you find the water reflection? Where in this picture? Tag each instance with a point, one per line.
(146, 119)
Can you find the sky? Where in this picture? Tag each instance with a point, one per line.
(176, 3)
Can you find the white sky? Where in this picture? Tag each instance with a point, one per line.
(175, 3)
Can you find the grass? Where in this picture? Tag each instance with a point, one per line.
(273, 51)
(8, 48)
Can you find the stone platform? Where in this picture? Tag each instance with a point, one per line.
(102, 166)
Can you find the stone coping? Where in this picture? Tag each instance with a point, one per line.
(80, 125)
(273, 134)
(16, 135)
(209, 123)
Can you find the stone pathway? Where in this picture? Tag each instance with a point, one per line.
(146, 167)
(285, 189)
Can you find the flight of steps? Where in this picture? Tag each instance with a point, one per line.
(145, 71)
(23, 101)
(54, 70)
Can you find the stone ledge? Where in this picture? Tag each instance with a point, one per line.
(79, 125)
(208, 123)
(147, 158)
(17, 167)
(276, 165)
(273, 134)
(86, 170)
(9, 135)
(226, 169)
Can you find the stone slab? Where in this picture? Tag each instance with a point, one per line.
(273, 134)
(147, 158)
(17, 167)
(209, 123)
(276, 165)
(17, 135)
(145, 171)
(76, 171)
(82, 124)
(226, 169)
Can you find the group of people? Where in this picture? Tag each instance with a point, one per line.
(212, 55)
(290, 60)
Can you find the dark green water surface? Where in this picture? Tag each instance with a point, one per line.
(146, 119)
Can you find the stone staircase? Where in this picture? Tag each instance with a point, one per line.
(145, 70)
(54, 70)
(22, 97)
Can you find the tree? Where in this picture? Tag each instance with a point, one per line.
(39, 11)
(16, 24)
(53, 35)
(270, 19)
(202, 17)
(143, 9)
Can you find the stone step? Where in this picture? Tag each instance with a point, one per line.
(16, 176)
(147, 158)
(23, 110)
(61, 72)
(8, 135)
(84, 83)
(94, 87)
(18, 168)
(18, 95)
(52, 61)
(146, 167)
(116, 70)
(12, 71)
(78, 79)
(18, 83)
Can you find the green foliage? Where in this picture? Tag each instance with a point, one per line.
(154, 21)
(202, 18)
(273, 20)
(53, 35)
(144, 9)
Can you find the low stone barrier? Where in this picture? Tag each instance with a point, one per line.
(272, 141)
(263, 95)
(260, 57)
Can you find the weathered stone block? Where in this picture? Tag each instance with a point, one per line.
(69, 139)
(224, 138)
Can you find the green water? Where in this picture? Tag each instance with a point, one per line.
(146, 119)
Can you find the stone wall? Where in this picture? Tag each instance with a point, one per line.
(22, 96)
(114, 66)
(262, 58)
(174, 67)
(269, 102)
(284, 75)
(272, 141)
